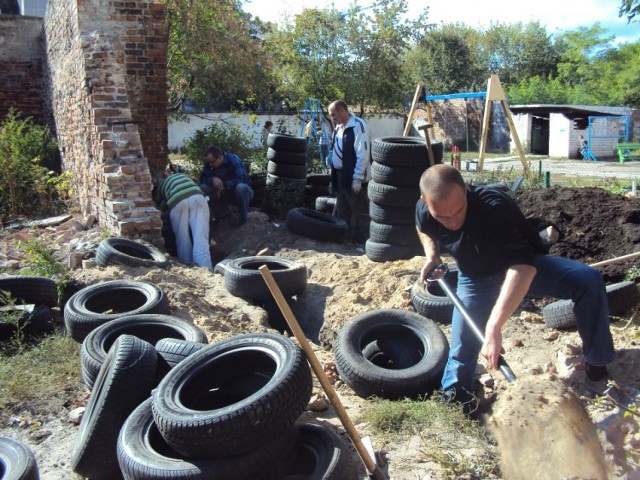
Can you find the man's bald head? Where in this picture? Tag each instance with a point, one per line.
(438, 181)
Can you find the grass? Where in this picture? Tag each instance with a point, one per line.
(39, 375)
(448, 436)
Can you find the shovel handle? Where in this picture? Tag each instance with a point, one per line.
(369, 462)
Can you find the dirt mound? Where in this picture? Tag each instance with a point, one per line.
(594, 224)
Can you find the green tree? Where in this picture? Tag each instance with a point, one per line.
(446, 60)
(213, 52)
(630, 8)
(518, 51)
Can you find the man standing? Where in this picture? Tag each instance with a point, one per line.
(350, 170)
(189, 214)
(224, 179)
(500, 260)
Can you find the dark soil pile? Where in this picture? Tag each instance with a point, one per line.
(594, 224)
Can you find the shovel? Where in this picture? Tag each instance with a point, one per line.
(362, 445)
(502, 363)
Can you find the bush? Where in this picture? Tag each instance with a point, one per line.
(230, 138)
(28, 157)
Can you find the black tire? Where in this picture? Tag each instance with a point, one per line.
(392, 215)
(144, 455)
(317, 225)
(622, 296)
(408, 332)
(405, 151)
(232, 396)
(391, 196)
(172, 351)
(285, 170)
(432, 302)
(385, 252)
(30, 289)
(325, 204)
(396, 176)
(148, 327)
(34, 320)
(319, 454)
(17, 461)
(258, 180)
(559, 314)
(86, 309)
(289, 143)
(243, 279)
(121, 251)
(296, 184)
(394, 234)
(124, 381)
(282, 157)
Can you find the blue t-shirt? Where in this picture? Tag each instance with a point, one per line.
(495, 234)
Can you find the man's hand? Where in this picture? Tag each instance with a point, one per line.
(217, 183)
(356, 186)
(492, 346)
(428, 266)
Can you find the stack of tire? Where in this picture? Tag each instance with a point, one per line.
(398, 163)
(286, 172)
(317, 186)
(28, 299)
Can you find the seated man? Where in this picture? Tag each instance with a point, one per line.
(224, 180)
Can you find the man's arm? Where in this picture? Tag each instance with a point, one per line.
(515, 286)
(361, 145)
(239, 173)
(431, 253)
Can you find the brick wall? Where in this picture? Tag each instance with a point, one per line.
(21, 67)
(107, 71)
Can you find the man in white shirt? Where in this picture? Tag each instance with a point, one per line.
(350, 170)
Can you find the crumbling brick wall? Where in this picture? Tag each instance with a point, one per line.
(21, 67)
(107, 72)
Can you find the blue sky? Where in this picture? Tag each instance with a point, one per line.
(555, 15)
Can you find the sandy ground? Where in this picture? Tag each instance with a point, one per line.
(342, 283)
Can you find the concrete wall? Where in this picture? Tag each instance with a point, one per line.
(21, 67)
(181, 131)
(107, 72)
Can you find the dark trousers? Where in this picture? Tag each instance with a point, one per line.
(354, 209)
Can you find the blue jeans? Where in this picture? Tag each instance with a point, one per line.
(556, 277)
(242, 196)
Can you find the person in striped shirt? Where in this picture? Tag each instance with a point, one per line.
(189, 214)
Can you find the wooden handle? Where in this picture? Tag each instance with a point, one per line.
(317, 368)
(615, 260)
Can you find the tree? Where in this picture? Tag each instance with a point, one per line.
(630, 8)
(446, 59)
(213, 52)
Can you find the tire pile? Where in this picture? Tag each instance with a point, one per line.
(165, 404)
(398, 163)
(317, 186)
(286, 172)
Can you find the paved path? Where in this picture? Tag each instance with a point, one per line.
(588, 168)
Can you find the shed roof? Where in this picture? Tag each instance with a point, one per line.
(571, 111)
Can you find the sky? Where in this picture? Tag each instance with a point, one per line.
(555, 15)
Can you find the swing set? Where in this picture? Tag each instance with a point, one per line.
(494, 93)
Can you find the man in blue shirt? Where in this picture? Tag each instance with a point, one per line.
(500, 260)
(224, 179)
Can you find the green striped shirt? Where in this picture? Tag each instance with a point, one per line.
(175, 188)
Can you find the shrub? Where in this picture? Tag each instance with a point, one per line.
(28, 156)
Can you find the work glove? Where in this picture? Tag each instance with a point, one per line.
(356, 186)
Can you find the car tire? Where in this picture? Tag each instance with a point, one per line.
(285, 170)
(317, 225)
(30, 289)
(148, 327)
(17, 461)
(85, 309)
(407, 332)
(121, 251)
(392, 215)
(125, 380)
(286, 142)
(243, 279)
(394, 234)
(391, 196)
(396, 176)
(232, 396)
(431, 301)
(405, 151)
(385, 252)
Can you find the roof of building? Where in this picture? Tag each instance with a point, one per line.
(571, 111)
